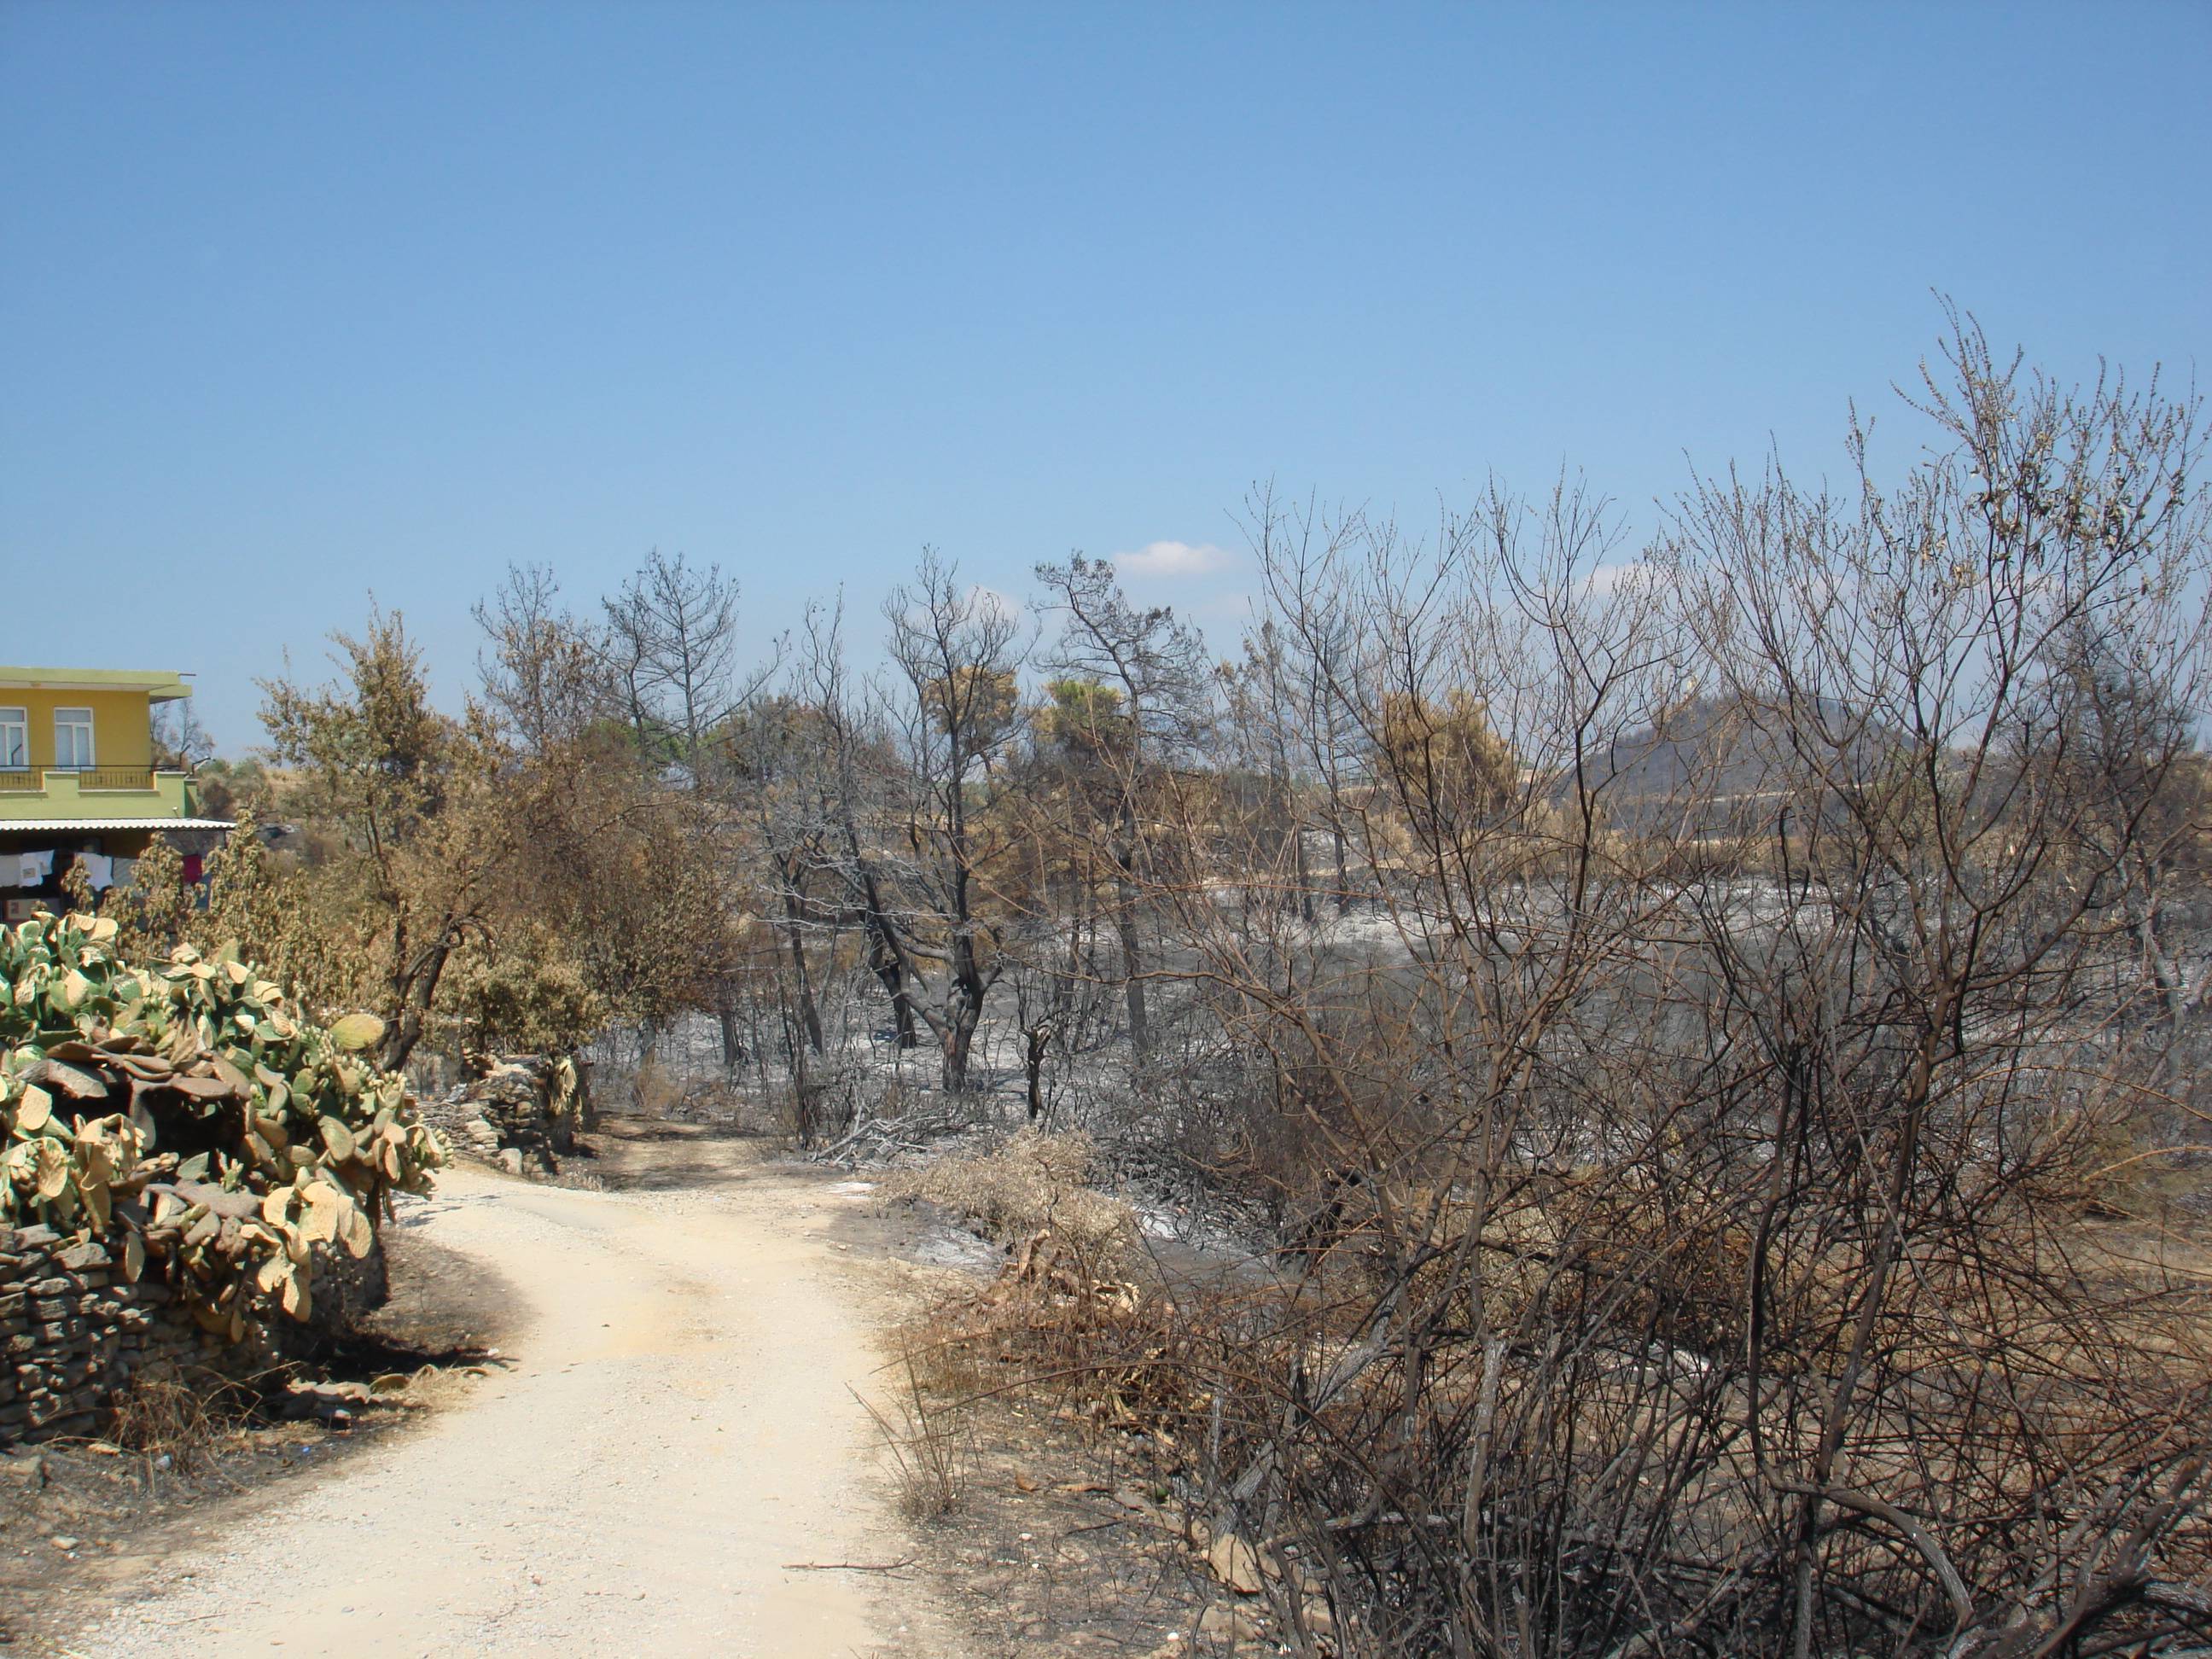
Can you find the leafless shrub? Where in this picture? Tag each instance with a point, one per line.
(1700, 1182)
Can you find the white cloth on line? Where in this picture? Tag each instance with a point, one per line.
(99, 870)
(33, 868)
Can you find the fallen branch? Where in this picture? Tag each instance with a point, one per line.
(848, 1566)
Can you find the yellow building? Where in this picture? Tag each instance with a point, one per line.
(78, 779)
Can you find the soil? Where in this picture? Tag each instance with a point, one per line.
(1061, 1545)
(1059, 1542)
(87, 1520)
(665, 1455)
(632, 1428)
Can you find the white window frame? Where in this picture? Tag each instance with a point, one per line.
(14, 739)
(66, 757)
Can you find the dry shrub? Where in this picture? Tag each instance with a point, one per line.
(1608, 1386)
(656, 1091)
(1032, 1184)
(190, 1423)
(1146, 1355)
(1059, 1314)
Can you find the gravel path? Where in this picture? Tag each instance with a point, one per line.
(674, 1432)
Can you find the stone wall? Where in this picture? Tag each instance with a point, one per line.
(522, 1112)
(76, 1332)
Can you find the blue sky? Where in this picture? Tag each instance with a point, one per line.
(305, 302)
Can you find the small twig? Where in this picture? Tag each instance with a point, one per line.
(848, 1566)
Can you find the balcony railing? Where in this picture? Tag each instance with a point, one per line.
(28, 795)
(90, 779)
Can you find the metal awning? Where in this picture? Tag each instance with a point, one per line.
(50, 826)
(159, 684)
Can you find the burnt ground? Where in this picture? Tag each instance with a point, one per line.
(84, 1519)
(1061, 1545)
(1059, 1541)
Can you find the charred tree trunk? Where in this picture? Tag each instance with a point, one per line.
(883, 963)
(970, 988)
(802, 986)
(734, 1044)
(1125, 925)
(1036, 1040)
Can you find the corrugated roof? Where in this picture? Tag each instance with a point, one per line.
(47, 826)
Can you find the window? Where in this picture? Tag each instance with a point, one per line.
(14, 739)
(72, 739)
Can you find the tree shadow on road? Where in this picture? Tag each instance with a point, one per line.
(654, 1155)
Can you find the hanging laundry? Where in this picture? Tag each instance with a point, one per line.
(33, 868)
(194, 865)
(99, 870)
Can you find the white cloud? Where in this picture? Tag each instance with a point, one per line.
(1610, 578)
(992, 600)
(1172, 559)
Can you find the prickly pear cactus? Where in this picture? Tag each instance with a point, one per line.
(188, 1114)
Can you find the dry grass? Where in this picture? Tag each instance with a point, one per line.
(190, 1424)
(1043, 1315)
(929, 1432)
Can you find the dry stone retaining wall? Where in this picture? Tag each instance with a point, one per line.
(76, 1332)
(522, 1112)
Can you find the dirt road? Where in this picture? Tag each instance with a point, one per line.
(672, 1438)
